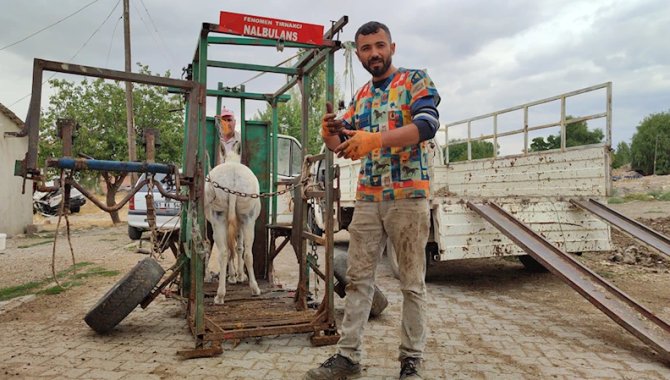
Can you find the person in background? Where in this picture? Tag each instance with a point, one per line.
(229, 138)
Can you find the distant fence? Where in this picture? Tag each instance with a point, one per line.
(526, 128)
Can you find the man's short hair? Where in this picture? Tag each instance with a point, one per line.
(371, 27)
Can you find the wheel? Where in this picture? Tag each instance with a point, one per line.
(75, 209)
(124, 296)
(379, 301)
(311, 222)
(531, 264)
(134, 233)
(393, 258)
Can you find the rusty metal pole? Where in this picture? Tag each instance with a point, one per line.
(65, 132)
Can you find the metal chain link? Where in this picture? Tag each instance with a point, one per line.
(253, 195)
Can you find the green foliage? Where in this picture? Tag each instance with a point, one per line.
(99, 108)
(664, 197)
(621, 155)
(652, 140)
(638, 197)
(479, 149)
(289, 114)
(615, 201)
(576, 134)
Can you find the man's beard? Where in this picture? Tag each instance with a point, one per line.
(378, 71)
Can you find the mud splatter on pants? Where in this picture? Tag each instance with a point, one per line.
(407, 223)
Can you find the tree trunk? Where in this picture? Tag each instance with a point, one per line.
(111, 200)
(113, 183)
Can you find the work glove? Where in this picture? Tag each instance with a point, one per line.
(359, 144)
(329, 125)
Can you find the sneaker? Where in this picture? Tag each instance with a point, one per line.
(337, 367)
(410, 368)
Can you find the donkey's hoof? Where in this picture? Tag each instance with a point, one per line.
(219, 299)
(255, 291)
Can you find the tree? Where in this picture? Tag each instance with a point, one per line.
(98, 107)
(576, 134)
(479, 149)
(289, 114)
(650, 147)
(621, 155)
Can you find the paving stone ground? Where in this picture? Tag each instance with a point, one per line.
(491, 329)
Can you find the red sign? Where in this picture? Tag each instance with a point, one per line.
(270, 28)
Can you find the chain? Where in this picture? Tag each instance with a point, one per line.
(253, 195)
(315, 259)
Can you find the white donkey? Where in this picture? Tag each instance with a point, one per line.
(233, 218)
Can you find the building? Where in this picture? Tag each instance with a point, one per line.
(16, 209)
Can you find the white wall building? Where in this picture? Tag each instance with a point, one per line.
(16, 209)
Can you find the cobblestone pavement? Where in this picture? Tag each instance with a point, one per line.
(478, 331)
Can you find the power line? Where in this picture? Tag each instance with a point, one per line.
(164, 51)
(49, 26)
(78, 50)
(159, 35)
(96, 31)
(109, 51)
(263, 73)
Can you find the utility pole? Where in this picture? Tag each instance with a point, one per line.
(132, 153)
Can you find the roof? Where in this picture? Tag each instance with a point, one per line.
(11, 116)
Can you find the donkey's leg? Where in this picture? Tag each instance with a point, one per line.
(220, 237)
(233, 268)
(241, 275)
(248, 232)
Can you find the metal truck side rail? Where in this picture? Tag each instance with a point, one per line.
(613, 302)
(637, 230)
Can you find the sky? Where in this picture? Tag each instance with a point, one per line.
(483, 56)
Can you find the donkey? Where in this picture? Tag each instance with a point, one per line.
(233, 218)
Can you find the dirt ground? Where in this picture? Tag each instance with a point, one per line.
(635, 269)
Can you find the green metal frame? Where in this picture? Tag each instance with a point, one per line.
(259, 134)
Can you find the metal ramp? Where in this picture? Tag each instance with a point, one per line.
(637, 230)
(616, 304)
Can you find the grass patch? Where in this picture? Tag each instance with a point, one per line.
(20, 290)
(615, 200)
(35, 244)
(59, 289)
(68, 277)
(607, 274)
(638, 197)
(664, 196)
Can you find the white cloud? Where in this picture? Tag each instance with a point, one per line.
(482, 55)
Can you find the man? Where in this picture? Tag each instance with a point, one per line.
(386, 126)
(229, 139)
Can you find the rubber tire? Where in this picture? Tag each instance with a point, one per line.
(389, 251)
(531, 264)
(124, 296)
(379, 301)
(134, 233)
(311, 222)
(75, 209)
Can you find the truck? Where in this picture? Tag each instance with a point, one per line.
(535, 186)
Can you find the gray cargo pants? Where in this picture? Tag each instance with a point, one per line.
(407, 223)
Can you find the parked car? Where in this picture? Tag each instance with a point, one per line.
(167, 210)
(48, 203)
